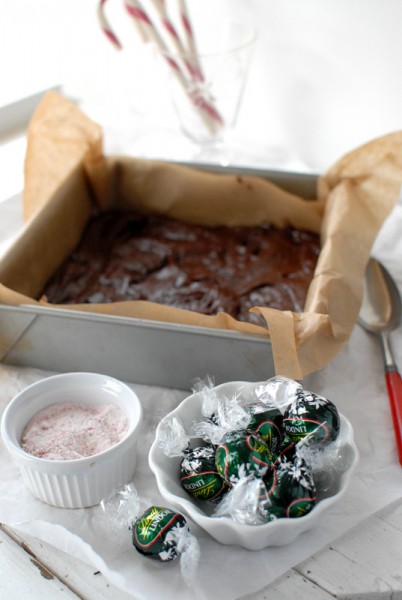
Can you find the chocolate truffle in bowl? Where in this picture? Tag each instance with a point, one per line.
(294, 494)
(311, 416)
(199, 475)
(240, 454)
(267, 422)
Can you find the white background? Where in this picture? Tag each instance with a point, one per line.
(326, 75)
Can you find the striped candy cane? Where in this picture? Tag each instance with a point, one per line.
(189, 60)
(188, 31)
(105, 25)
(148, 31)
(208, 112)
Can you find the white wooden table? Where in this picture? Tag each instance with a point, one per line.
(365, 563)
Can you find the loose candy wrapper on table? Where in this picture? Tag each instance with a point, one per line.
(157, 532)
(272, 447)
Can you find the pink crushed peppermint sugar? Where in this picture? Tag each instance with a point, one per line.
(69, 431)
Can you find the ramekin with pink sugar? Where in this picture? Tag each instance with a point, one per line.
(74, 482)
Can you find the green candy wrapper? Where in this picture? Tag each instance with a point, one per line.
(156, 533)
(198, 474)
(313, 416)
(295, 492)
(267, 422)
(240, 454)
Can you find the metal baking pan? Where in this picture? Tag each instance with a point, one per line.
(136, 350)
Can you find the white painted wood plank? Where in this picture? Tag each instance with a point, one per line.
(77, 575)
(290, 586)
(378, 548)
(23, 576)
(342, 578)
(363, 563)
(392, 514)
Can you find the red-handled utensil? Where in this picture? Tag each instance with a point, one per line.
(380, 313)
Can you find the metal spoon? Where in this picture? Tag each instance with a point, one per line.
(380, 313)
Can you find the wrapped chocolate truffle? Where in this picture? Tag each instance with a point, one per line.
(160, 533)
(286, 451)
(199, 476)
(313, 416)
(267, 422)
(240, 454)
(294, 494)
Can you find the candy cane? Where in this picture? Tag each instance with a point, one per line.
(208, 112)
(188, 60)
(188, 30)
(105, 25)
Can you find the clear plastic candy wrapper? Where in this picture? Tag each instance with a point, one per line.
(259, 457)
(158, 532)
(247, 502)
(173, 439)
(121, 507)
(222, 414)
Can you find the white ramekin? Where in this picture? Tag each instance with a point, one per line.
(85, 481)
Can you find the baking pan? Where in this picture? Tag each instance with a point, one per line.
(136, 350)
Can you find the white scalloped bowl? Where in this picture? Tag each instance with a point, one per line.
(224, 529)
(84, 481)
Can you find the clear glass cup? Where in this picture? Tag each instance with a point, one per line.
(207, 87)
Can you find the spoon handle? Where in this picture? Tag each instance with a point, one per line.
(394, 386)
